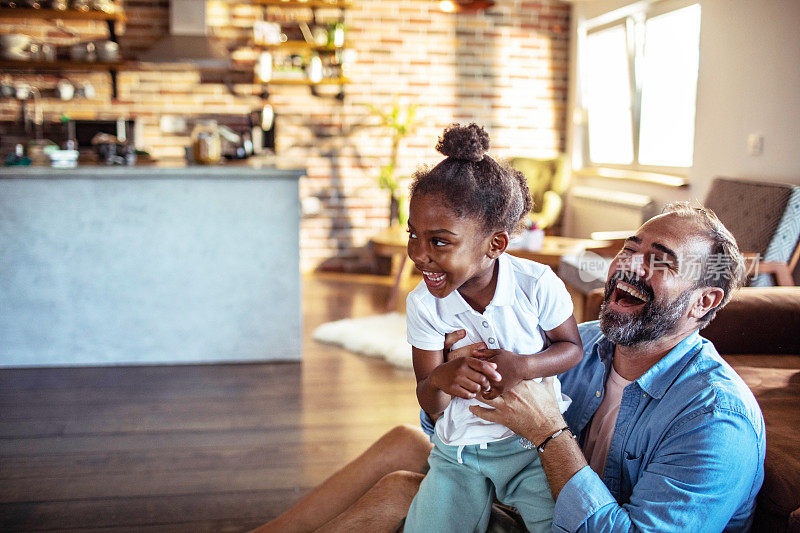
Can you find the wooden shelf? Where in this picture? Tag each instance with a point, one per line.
(297, 3)
(302, 45)
(289, 81)
(60, 65)
(69, 14)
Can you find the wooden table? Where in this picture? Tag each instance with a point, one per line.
(392, 242)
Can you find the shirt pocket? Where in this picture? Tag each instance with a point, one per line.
(631, 471)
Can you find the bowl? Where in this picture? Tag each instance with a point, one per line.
(14, 41)
(15, 55)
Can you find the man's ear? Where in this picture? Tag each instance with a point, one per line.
(498, 244)
(709, 298)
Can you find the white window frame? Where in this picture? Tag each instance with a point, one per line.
(633, 18)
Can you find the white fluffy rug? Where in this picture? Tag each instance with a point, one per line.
(375, 336)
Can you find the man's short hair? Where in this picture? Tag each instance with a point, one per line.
(724, 266)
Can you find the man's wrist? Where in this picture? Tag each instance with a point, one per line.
(556, 434)
(538, 434)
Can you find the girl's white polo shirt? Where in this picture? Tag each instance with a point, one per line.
(528, 300)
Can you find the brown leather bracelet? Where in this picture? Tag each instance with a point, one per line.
(540, 448)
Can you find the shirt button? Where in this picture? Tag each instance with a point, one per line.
(598, 393)
(491, 340)
(485, 324)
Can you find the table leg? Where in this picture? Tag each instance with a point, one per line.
(401, 270)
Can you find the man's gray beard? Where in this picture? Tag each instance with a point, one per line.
(651, 323)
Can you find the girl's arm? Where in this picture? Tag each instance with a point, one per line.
(438, 381)
(564, 352)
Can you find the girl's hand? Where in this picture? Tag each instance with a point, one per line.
(507, 364)
(450, 339)
(464, 377)
(465, 351)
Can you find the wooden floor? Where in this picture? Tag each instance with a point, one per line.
(193, 448)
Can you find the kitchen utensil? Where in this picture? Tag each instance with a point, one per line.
(107, 51)
(106, 6)
(83, 52)
(264, 67)
(206, 143)
(266, 32)
(87, 90)
(314, 69)
(64, 158)
(39, 150)
(47, 52)
(65, 90)
(7, 90)
(35, 51)
(320, 35)
(22, 91)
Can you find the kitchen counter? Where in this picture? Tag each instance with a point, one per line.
(142, 265)
(160, 170)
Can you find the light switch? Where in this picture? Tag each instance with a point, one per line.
(755, 144)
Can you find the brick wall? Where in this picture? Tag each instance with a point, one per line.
(505, 68)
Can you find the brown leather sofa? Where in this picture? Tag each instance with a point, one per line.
(758, 333)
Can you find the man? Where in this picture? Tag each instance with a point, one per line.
(669, 438)
(673, 437)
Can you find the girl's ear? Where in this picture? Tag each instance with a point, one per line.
(498, 243)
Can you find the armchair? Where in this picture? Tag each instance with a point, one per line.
(765, 219)
(548, 183)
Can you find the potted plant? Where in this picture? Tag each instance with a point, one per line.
(401, 121)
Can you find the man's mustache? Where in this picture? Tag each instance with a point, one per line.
(632, 279)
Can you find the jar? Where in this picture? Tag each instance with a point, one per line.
(206, 144)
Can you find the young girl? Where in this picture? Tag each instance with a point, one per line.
(461, 215)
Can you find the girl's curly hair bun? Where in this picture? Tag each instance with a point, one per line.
(469, 143)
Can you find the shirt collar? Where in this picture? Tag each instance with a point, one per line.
(504, 291)
(661, 375)
(454, 304)
(657, 380)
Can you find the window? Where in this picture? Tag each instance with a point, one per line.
(639, 89)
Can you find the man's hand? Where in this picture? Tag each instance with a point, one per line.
(465, 351)
(507, 364)
(464, 377)
(529, 409)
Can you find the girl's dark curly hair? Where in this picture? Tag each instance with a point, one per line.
(473, 184)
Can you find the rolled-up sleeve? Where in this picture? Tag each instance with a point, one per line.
(707, 465)
(582, 497)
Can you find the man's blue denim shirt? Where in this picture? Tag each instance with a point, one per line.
(687, 452)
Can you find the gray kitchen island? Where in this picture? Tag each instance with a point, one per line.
(146, 265)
